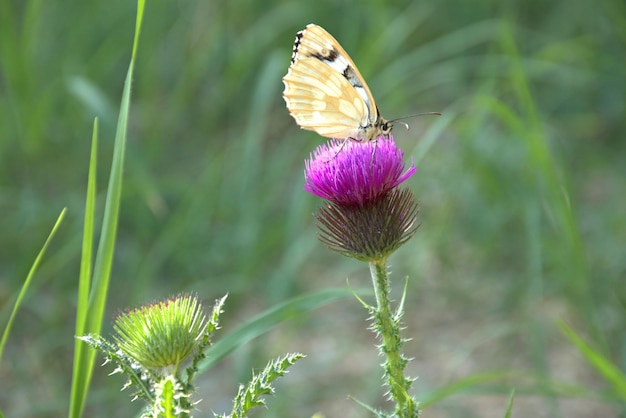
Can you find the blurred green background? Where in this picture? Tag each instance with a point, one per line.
(521, 183)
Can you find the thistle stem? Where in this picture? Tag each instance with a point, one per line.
(387, 326)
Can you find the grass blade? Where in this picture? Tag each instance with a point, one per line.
(89, 320)
(29, 278)
(611, 373)
(509, 407)
(82, 367)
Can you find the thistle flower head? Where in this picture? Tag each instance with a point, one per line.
(367, 216)
(354, 173)
(162, 334)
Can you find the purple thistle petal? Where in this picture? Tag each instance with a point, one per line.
(354, 174)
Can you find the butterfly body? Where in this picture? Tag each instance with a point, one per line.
(325, 92)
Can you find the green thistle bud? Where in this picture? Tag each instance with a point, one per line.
(162, 334)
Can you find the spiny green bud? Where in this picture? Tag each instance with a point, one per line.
(162, 334)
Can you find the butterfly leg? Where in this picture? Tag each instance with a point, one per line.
(340, 148)
(374, 152)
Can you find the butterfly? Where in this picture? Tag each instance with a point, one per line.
(326, 93)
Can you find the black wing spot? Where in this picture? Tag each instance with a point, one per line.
(351, 76)
(326, 55)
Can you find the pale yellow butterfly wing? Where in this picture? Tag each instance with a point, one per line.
(331, 108)
(325, 92)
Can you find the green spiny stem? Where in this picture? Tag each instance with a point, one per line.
(387, 325)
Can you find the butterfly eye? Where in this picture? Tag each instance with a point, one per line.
(386, 127)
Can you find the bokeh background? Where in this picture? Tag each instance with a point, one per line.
(521, 183)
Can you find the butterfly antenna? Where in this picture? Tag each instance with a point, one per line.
(417, 114)
(406, 125)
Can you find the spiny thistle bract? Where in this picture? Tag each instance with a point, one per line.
(249, 395)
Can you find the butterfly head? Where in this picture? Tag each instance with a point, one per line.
(385, 127)
(373, 130)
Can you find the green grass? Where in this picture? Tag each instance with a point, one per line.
(521, 184)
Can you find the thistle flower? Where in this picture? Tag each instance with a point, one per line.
(366, 215)
(162, 334)
(354, 174)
